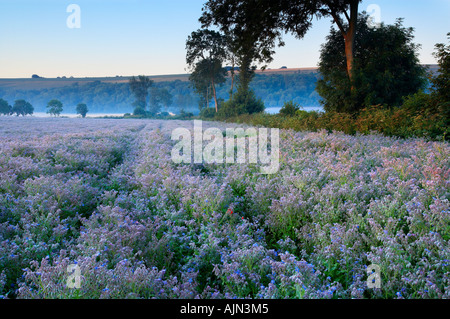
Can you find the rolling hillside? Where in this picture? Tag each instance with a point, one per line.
(112, 94)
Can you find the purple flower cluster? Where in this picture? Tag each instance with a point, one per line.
(106, 196)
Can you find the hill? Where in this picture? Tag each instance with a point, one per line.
(47, 83)
(112, 94)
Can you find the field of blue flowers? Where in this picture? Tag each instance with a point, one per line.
(105, 195)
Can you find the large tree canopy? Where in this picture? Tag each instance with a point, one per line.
(441, 83)
(5, 108)
(252, 29)
(205, 44)
(82, 109)
(54, 107)
(22, 107)
(159, 97)
(140, 86)
(386, 68)
(296, 17)
(256, 26)
(206, 51)
(206, 75)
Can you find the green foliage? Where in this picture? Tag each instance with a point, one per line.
(183, 116)
(243, 102)
(386, 68)
(205, 44)
(54, 107)
(401, 122)
(247, 44)
(436, 104)
(207, 113)
(109, 97)
(441, 83)
(22, 107)
(159, 97)
(82, 109)
(206, 52)
(139, 87)
(5, 108)
(417, 102)
(205, 76)
(139, 111)
(289, 108)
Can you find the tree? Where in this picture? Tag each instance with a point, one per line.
(289, 109)
(252, 30)
(296, 17)
(139, 87)
(5, 108)
(158, 98)
(243, 102)
(437, 102)
(231, 58)
(54, 107)
(256, 24)
(385, 68)
(204, 77)
(441, 83)
(165, 97)
(22, 107)
(82, 109)
(206, 51)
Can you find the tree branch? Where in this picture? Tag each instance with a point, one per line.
(338, 22)
(346, 15)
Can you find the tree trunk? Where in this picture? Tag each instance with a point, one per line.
(207, 96)
(232, 83)
(349, 38)
(232, 77)
(214, 93)
(245, 73)
(349, 48)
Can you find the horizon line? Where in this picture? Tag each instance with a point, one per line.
(65, 77)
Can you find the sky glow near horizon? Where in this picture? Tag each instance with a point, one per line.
(131, 37)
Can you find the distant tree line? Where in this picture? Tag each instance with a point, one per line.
(273, 89)
(22, 107)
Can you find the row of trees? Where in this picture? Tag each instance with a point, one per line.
(55, 108)
(104, 97)
(22, 107)
(142, 87)
(360, 65)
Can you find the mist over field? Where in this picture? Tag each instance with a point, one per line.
(113, 96)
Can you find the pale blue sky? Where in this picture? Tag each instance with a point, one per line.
(131, 37)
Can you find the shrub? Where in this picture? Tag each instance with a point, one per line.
(386, 68)
(243, 102)
(289, 108)
(208, 113)
(139, 111)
